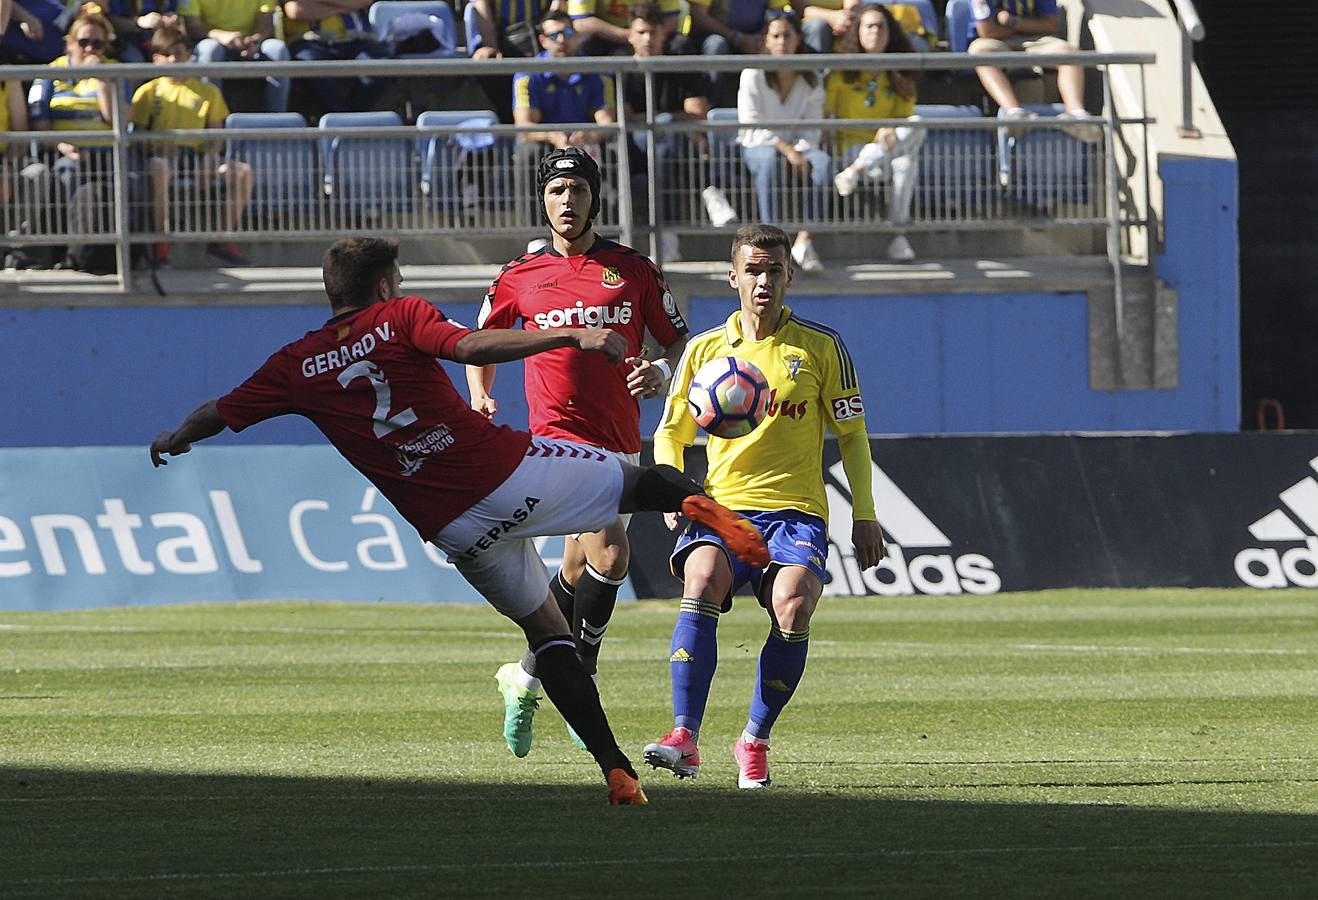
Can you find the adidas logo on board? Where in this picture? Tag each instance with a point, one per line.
(1296, 521)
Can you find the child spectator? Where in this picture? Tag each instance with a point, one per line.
(171, 103)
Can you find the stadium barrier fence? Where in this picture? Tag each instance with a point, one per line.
(469, 177)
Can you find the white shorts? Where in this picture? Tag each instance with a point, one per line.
(559, 488)
(631, 458)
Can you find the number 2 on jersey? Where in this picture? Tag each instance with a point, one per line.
(384, 423)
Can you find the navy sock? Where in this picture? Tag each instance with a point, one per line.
(693, 659)
(782, 663)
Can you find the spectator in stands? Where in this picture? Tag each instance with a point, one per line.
(888, 154)
(33, 37)
(173, 103)
(1001, 26)
(549, 97)
(508, 27)
(679, 96)
(723, 27)
(772, 153)
(604, 24)
(335, 30)
(13, 117)
(239, 30)
(57, 104)
(553, 98)
(823, 22)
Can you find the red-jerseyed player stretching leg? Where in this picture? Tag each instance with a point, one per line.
(580, 280)
(369, 381)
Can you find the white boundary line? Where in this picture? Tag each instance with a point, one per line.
(912, 852)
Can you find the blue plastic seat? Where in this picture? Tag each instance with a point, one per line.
(958, 166)
(366, 177)
(957, 13)
(928, 19)
(286, 172)
(387, 16)
(465, 169)
(1046, 168)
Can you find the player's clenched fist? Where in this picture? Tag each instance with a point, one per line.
(602, 340)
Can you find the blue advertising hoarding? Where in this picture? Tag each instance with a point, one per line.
(97, 526)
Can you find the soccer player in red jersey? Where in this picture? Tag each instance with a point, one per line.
(580, 280)
(369, 380)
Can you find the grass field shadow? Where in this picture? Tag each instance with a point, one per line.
(106, 834)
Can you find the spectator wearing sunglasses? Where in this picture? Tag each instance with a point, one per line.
(85, 104)
(547, 98)
(890, 153)
(605, 24)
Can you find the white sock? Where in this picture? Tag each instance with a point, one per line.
(748, 738)
(526, 680)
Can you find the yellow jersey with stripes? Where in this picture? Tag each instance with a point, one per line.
(779, 465)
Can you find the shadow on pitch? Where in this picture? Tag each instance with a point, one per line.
(87, 833)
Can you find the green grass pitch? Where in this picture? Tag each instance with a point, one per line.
(1063, 744)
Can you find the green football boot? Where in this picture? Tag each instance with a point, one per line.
(519, 706)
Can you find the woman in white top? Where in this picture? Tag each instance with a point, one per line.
(771, 152)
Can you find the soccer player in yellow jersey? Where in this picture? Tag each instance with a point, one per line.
(774, 476)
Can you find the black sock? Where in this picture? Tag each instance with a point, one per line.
(663, 488)
(596, 596)
(561, 591)
(573, 693)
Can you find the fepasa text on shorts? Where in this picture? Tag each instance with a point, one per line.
(491, 537)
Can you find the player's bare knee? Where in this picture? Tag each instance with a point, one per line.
(612, 560)
(792, 610)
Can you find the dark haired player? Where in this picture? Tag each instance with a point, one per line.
(775, 474)
(580, 280)
(369, 380)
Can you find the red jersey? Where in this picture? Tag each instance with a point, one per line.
(369, 381)
(582, 396)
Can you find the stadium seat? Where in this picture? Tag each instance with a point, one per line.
(957, 174)
(928, 19)
(471, 28)
(1045, 169)
(396, 20)
(366, 178)
(462, 170)
(286, 171)
(957, 13)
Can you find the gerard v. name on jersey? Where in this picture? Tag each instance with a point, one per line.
(347, 354)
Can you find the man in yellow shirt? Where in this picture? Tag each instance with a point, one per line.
(172, 103)
(774, 476)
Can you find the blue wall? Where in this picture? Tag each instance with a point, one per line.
(928, 364)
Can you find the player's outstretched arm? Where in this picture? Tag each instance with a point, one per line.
(481, 348)
(204, 422)
(479, 381)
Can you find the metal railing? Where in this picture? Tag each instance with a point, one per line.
(1192, 31)
(971, 173)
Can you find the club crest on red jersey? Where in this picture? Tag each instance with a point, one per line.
(612, 278)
